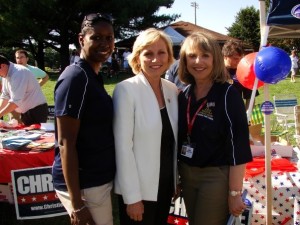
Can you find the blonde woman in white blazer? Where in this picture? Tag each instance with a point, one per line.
(145, 129)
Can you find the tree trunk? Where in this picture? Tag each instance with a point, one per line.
(40, 57)
(64, 51)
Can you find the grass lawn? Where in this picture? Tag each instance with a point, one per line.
(7, 212)
(282, 87)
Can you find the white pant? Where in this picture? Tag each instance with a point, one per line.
(97, 200)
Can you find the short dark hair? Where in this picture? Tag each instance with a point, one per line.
(3, 60)
(231, 47)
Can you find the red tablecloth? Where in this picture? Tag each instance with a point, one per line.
(14, 160)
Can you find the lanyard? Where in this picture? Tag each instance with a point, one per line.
(190, 123)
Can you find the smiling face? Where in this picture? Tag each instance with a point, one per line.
(153, 59)
(97, 42)
(199, 63)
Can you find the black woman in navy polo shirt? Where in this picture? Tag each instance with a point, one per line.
(84, 165)
(213, 135)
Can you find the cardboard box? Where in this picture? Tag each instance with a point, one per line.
(276, 148)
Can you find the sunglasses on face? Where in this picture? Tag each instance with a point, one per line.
(95, 17)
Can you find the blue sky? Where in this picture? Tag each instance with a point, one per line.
(212, 14)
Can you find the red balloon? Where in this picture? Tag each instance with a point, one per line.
(245, 71)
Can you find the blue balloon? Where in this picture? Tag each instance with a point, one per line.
(272, 65)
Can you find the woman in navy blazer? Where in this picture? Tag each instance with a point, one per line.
(145, 129)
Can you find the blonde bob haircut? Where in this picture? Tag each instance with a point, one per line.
(146, 38)
(202, 42)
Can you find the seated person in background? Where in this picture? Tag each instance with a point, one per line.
(233, 53)
(22, 59)
(21, 93)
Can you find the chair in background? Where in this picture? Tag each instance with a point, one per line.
(256, 127)
(297, 124)
(284, 109)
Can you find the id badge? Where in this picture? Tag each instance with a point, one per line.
(187, 150)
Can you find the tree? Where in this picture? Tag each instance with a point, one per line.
(287, 44)
(246, 27)
(36, 25)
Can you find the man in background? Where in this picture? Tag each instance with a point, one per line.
(21, 93)
(22, 58)
(233, 53)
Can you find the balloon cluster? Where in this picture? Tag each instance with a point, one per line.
(270, 65)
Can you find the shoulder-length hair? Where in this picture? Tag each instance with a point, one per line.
(146, 38)
(205, 43)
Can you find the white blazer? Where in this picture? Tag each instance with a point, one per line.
(137, 130)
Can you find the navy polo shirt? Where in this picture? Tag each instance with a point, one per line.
(220, 132)
(79, 93)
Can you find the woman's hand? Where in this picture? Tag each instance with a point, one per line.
(135, 211)
(82, 217)
(236, 205)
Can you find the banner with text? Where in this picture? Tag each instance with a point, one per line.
(34, 194)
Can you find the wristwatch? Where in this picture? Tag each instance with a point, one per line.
(235, 193)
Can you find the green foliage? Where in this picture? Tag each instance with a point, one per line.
(246, 27)
(287, 44)
(282, 87)
(36, 25)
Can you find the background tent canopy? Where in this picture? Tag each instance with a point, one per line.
(176, 38)
(284, 19)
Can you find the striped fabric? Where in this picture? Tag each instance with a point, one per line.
(285, 102)
(257, 117)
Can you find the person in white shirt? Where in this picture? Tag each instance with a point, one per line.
(21, 93)
(125, 59)
(294, 68)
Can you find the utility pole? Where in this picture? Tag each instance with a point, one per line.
(196, 6)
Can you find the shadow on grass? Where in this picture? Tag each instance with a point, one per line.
(109, 80)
